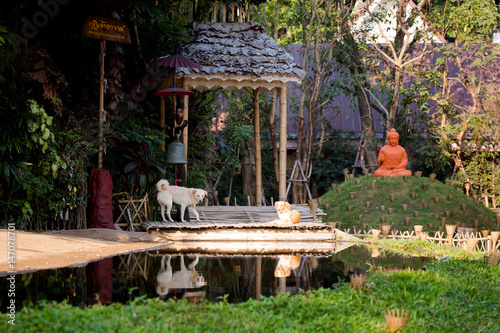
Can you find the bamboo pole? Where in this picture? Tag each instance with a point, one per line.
(258, 278)
(282, 285)
(248, 11)
(215, 11)
(102, 54)
(258, 154)
(185, 130)
(282, 153)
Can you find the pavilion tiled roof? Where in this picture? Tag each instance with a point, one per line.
(240, 51)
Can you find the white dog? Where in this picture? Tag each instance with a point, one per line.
(185, 197)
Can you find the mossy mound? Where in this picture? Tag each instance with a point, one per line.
(362, 205)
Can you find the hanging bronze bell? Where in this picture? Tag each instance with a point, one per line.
(176, 153)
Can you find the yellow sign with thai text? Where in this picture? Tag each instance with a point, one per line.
(107, 29)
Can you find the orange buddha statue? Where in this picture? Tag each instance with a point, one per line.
(392, 158)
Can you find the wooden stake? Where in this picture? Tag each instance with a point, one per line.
(101, 104)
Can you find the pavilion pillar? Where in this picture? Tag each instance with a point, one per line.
(258, 154)
(282, 152)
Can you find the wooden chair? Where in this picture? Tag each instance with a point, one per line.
(133, 211)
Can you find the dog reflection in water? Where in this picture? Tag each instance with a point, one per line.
(186, 278)
(285, 265)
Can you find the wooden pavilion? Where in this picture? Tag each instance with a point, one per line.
(240, 56)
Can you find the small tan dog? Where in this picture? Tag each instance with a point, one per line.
(286, 213)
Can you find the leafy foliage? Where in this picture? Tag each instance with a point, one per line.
(463, 121)
(135, 155)
(338, 153)
(162, 25)
(483, 171)
(30, 161)
(465, 20)
(37, 161)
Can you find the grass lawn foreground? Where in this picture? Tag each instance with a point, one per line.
(449, 296)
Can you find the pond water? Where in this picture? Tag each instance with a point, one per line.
(164, 274)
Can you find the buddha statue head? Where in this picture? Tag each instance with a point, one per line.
(393, 137)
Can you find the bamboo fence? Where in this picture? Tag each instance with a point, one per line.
(474, 240)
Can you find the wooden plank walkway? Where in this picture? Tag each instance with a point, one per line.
(218, 217)
(250, 214)
(244, 223)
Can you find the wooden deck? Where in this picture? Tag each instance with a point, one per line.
(245, 223)
(251, 214)
(257, 248)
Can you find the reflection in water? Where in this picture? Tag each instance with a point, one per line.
(285, 265)
(185, 278)
(282, 271)
(99, 281)
(169, 274)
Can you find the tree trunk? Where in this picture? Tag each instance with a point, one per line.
(272, 131)
(247, 172)
(459, 167)
(398, 78)
(298, 187)
(369, 148)
(306, 37)
(277, 20)
(322, 137)
(361, 87)
(475, 109)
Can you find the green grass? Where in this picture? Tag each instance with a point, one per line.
(418, 248)
(452, 296)
(395, 185)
